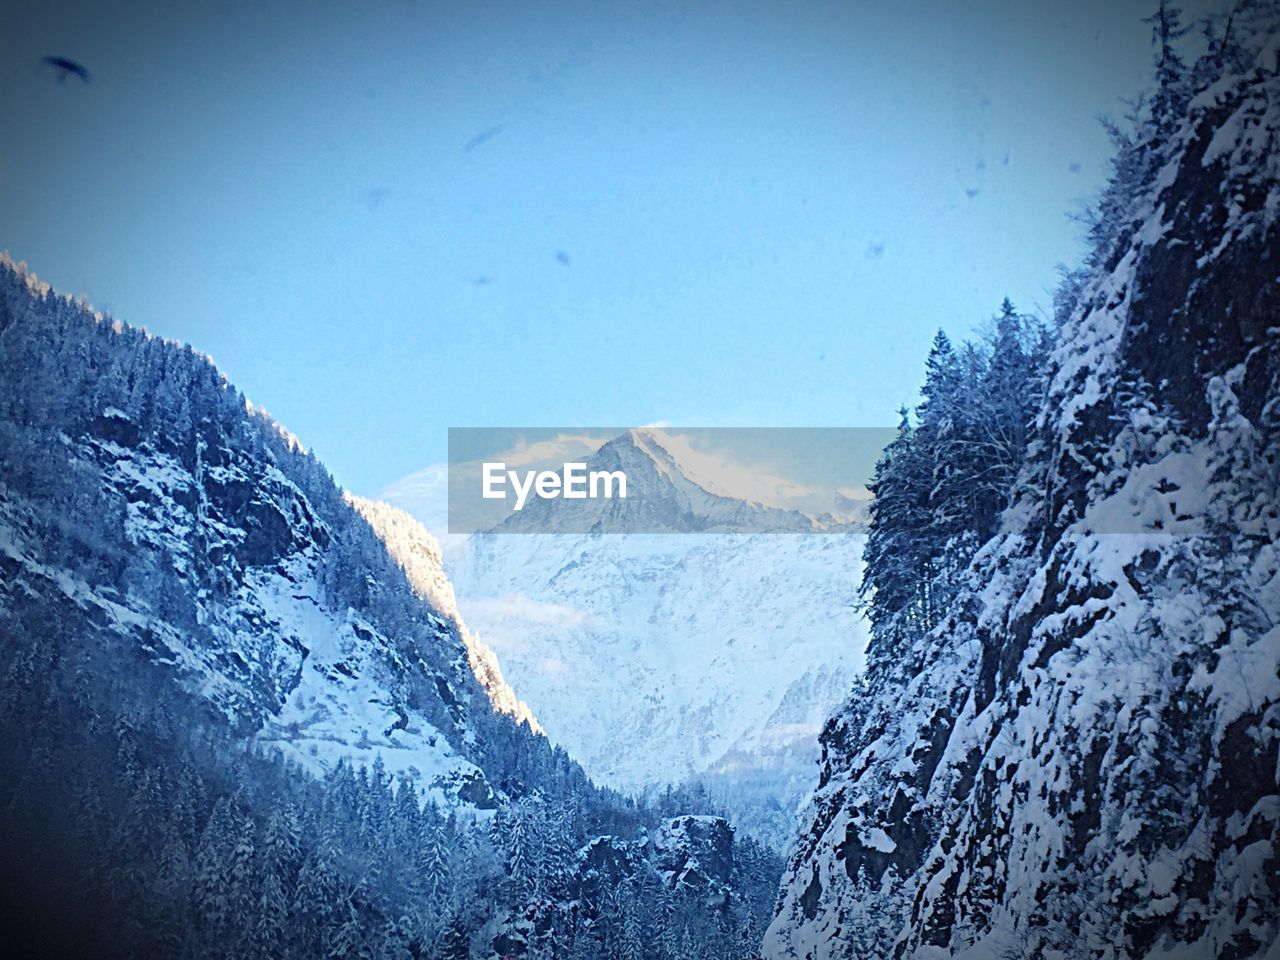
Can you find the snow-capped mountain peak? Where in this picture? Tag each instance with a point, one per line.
(671, 488)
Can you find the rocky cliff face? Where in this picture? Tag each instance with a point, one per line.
(147, 509)
(1082, 760)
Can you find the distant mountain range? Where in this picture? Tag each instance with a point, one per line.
(666, 493)
(657, 659)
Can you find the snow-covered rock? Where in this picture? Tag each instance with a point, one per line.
(1083, 759)
(695, 852)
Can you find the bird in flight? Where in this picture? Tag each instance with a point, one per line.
(66, 68)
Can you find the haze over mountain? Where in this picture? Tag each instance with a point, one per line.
(662, 658)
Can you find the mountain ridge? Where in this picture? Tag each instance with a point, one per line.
(269, 635)
(1082, 758)
(665, 495)
(243, 717)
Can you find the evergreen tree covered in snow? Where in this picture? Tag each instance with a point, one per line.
(942, 483)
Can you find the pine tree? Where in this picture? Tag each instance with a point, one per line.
(279, 853)
(893, 561)
(942, 455)
(629, 943)
(1007, 397)
(316, 898)
(688, 949)
(433, 882)
(213, 900)
(1173, 90)
(455, 942)
(524, 851)
(240, 880)
(749, 935)
(558, 849)
(271, 923)
(669, 924)
(940, 487)
(347, 940)
(394, 940)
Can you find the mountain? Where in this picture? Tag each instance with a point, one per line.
(665, 494)
(147, 503)
(1082, 759)
(661, 659)
(241, 716)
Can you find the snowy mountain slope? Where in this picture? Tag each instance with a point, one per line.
(144, 502)
(659, 658)
(418, 554)
(228, 687)
(1083, 760)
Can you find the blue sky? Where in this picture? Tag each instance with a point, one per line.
(386, 219)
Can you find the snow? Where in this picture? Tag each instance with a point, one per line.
(418, 554)
(656, 658)
(227, 562)
(1111, 770)
(653, 659)
(876, 839)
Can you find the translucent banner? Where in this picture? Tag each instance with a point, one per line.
(574, 480)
